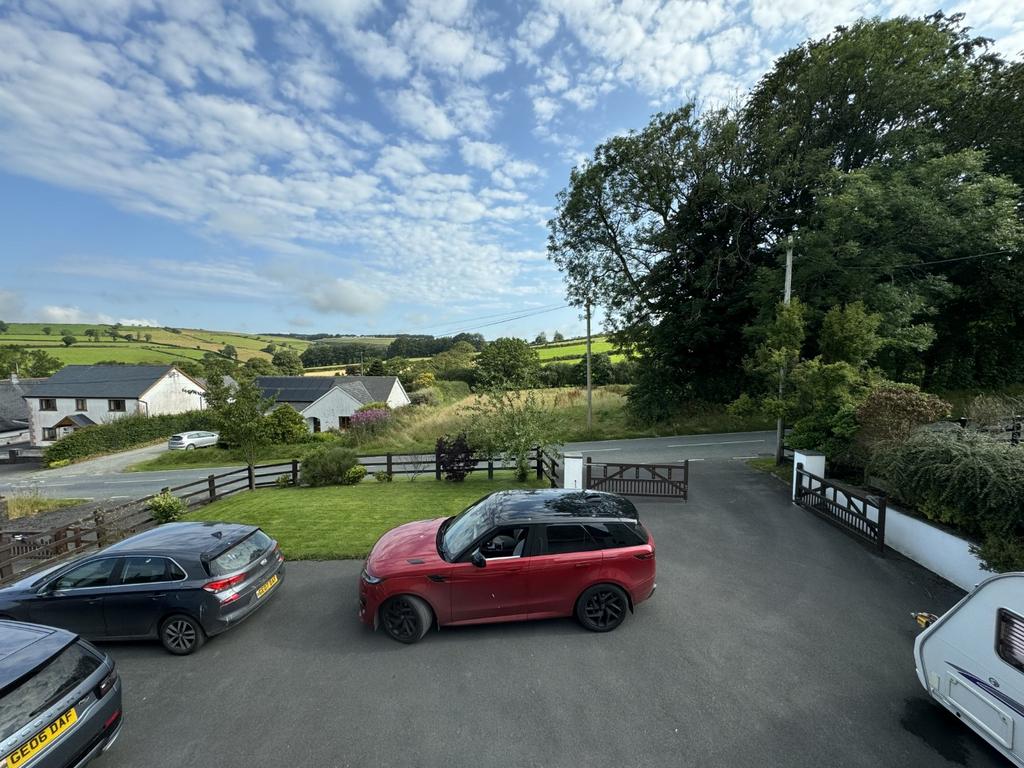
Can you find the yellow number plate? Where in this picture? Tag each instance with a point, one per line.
(24, 754)
(266, 587)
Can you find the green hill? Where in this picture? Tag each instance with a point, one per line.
(573, 350)
(152, 345)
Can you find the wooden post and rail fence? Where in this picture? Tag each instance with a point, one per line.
(23, 551)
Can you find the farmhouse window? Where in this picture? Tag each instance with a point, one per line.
(344, 421)
(115, 405)
(47, 404)
(49, 433)
(81, 404)
(1010, 639)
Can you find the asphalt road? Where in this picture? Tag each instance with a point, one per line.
(104, 478)
(773, 640)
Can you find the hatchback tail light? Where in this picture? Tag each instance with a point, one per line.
(219, 585)
(106, 684)
(644, 555)
(277, 553)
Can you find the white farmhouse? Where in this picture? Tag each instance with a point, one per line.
(81, 395)
(328, 402)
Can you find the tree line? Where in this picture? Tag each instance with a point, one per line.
(889, 150)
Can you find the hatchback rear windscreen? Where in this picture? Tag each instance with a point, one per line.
(248, 550)
(31, 696)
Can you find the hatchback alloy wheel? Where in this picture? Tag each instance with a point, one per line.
(602, 608)
(181, 635)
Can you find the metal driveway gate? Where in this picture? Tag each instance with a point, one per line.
(859, 514)
(668, 480)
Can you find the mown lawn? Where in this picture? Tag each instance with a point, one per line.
(341, 522)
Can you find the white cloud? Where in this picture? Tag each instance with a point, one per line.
(481, 154)
(74, 315)
(345, 297)
(417, 110)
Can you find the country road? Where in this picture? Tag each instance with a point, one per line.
(105, 478)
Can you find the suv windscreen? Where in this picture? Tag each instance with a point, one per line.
(33, 695)
(248, 550)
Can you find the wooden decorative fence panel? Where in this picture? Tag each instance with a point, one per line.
(668, 480)
(843, 507)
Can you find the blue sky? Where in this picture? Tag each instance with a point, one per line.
(344, 166)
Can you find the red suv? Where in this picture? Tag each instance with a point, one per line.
(511, 556)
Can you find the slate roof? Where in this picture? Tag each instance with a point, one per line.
(13, 408)
(300, 391)
(127, 381)
(75, 420)
(379, 386)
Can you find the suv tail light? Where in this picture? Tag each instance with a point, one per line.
(106, 684)
(644, 555)
(219, 585)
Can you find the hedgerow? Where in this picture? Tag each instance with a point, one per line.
(124, 433)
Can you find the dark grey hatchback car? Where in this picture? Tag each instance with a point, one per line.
(179, 582)
(60, 698)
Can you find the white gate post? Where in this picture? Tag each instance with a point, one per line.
(572, 470)
(812, 461)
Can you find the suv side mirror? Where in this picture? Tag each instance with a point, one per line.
(477, 559)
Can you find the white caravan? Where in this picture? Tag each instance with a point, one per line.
(971, 660)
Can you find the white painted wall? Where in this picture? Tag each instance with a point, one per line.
(173, 393)
(332, 405)
(168, 395)
(398, 397)
(14, 436)
(572, 470)
(97, 409)
(939, 551)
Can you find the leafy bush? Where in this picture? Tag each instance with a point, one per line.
(354, 475)
(427, 396)
(286, 425)
(283, 481)
(557, 375)
(383, 477)
(124, 433)
(890, 413)
(425, 379)
(328, 465)
(966, 480)
(455, 456)
(166, 507)
(601, 371)
(467, 375)
(376, 405)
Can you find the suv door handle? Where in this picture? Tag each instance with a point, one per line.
(583, 565)
(158, 597)
(94, 600)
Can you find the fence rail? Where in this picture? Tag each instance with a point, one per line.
(843, 507)
(646, 480)
(27, 551)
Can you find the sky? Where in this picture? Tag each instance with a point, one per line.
(343, 166)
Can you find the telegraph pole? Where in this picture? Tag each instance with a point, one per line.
(780, 432)
(590, 403)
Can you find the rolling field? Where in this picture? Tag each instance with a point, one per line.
(573, 350)
(163, 346)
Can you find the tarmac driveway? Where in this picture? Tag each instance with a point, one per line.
(773, 640)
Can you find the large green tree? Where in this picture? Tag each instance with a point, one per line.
(508, 363)
(884, 147)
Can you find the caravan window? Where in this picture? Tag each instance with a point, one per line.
(1010, 639)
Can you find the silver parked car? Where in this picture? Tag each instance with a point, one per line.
(187, 441)
(61, 698)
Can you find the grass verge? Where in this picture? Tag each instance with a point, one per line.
(340, 522)
(782, 471)
(32, 504)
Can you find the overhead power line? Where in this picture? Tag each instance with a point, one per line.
(931, 263)
(465, 320)
(510, 319)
